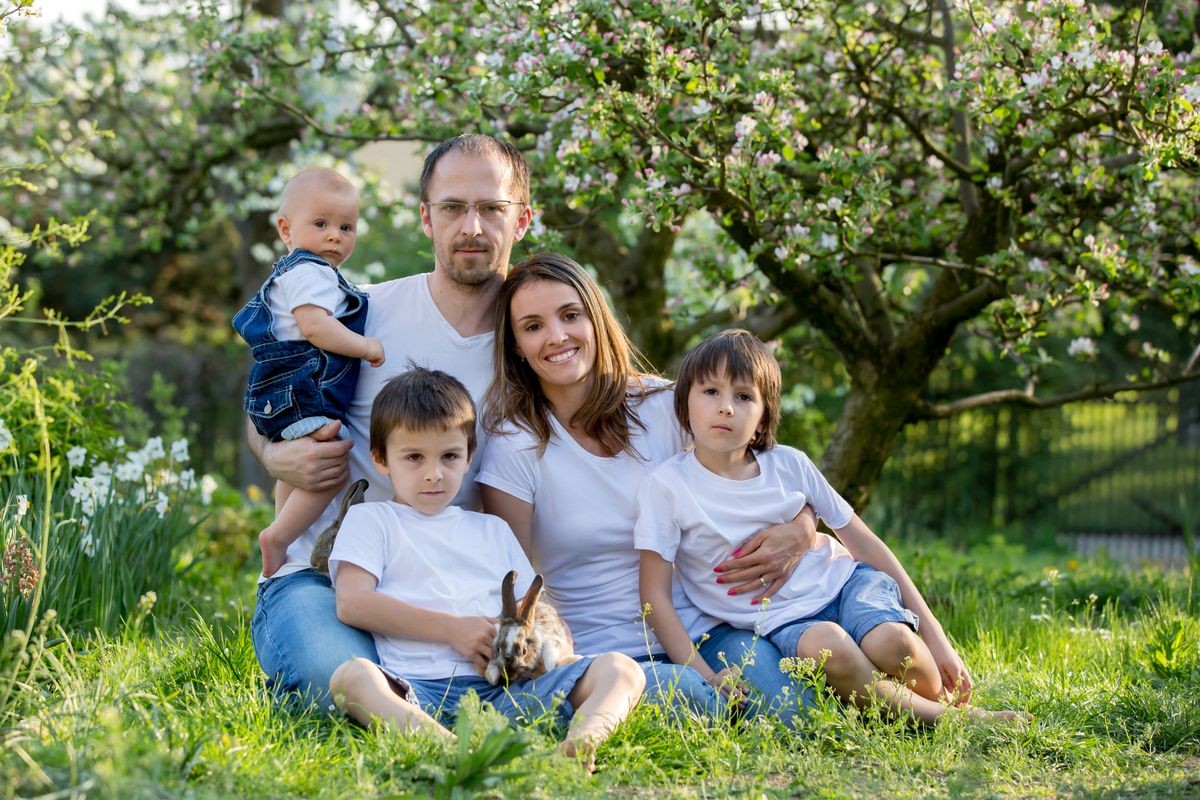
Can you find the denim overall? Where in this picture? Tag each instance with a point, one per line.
(294, 386)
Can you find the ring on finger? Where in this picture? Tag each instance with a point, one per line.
(762, 579)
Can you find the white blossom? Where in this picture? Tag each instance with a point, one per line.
(153, 449)
(744, 127)
(161, 504)
(76, 456)
(131, 470)
(701, 108)
(1037, 265)
(1192, 93)
(88, 544)
(1082, 346)
(6, 437)
(187, 479)
(828, 241)
(208, 485)
(179, 451)
(22, 506)
(262, 253)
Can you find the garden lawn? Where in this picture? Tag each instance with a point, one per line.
(1105, 659)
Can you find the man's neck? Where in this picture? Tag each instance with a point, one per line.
(470, 310)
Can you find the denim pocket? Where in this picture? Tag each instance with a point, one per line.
(270, 403)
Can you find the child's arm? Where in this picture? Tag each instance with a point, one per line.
(865, 546)
(654, 583)
(359, 605)
(324, 330)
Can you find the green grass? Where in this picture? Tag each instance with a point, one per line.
(1106, 660)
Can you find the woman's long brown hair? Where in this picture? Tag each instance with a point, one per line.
(516, 396)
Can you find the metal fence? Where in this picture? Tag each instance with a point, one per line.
(1125, 466)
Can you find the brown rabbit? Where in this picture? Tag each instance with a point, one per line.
(531, 642)
(324, 546)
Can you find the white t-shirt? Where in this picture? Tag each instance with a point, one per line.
(402, 315)
(307, 283)
(451, 562)
(583, 516)
(694, 518)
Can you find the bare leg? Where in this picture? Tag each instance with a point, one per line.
(603, 697)
(853, 677)
(300, 509)
(896, 650)
(362, 691)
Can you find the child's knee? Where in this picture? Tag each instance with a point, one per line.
(350, 674)
(892, 645)
(820, 637)
(622, 670)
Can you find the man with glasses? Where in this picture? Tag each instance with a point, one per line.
(474, 206)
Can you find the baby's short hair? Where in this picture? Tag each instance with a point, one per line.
(741, 356)
(419, 400)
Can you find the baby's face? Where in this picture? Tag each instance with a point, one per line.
(325, 223)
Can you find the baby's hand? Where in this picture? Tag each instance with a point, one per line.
(374, 354)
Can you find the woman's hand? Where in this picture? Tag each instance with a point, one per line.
(765, 561)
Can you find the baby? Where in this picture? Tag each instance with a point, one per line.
(305, 330)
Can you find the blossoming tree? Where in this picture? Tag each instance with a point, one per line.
(987, 180)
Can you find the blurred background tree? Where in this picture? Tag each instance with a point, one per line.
(931, 208)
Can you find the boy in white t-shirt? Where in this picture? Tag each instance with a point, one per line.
(305, 329)
(424, 577)
(697, 506)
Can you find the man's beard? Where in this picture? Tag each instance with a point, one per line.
(478, 269)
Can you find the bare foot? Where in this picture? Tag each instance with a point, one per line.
(580, 750)
(274, 552)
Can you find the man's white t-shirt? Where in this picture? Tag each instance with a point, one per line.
(307, 283)
(402, 315)
(453, 562)
(583, 516)
(694, 518)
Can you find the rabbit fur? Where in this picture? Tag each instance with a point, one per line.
(324, 546)
(529, 642)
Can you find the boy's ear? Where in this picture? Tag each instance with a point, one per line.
(380, 463)
(284, 229)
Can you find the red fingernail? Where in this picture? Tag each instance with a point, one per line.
(737, 552)
(716, 569)
(753, 602)
(730, 591)
(720, 580)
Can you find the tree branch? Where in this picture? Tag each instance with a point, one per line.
(1025, 397)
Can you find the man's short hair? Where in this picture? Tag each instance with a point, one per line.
(480, 144)
(419, 400)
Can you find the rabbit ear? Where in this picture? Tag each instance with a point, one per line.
(509, 608)
(531, 598)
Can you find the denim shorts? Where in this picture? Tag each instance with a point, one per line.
(868, 599)
(520, 701)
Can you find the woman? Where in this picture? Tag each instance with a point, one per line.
(574, 425)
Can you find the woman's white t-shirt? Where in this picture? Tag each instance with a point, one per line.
(583, 517)
(453, 562)
(694, 518)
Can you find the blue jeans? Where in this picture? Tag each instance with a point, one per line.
(677, 687)
(298, 638)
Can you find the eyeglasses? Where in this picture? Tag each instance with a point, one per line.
(486, 209)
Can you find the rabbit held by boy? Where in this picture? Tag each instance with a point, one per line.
(529, 642)
(320, 554)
